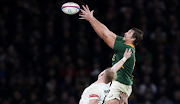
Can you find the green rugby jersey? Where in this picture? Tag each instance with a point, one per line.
(124, 74)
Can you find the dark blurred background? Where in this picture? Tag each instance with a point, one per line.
(49, 57)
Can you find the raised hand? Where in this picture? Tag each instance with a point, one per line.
(86, 13)
(127, 53)
(123, 98)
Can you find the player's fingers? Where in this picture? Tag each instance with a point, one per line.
(130, 52)
(87, 7)
(123, 94)
(126, 50)
(82, 11)
(81, 18)
(84, 8)
(81, 15)
(129, 49)
(92, 12)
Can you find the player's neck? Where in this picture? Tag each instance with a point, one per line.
(100, 81)
(128, 42)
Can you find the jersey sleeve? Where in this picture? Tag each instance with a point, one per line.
(119, 44)
(94, 93)
(119, 38)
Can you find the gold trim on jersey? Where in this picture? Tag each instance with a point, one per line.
(132, 78)
(130, 45)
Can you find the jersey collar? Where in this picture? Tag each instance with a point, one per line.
(131, 45)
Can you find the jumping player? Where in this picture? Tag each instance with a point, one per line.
(131, 38)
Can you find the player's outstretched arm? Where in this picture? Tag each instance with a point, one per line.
(93, 101)
(119, 64)
(102, 31)
(108, 32)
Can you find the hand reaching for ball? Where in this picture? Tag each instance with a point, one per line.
(86, 13)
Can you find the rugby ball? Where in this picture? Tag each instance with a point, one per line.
(70, 8)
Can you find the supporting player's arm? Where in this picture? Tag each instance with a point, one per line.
(94, 94)
(119, 64)
(93, 101)
(123, 98)
(102, 31)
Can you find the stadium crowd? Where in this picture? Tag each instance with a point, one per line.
(48, 57)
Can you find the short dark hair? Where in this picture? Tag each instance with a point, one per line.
(109, 75)
(138, 34)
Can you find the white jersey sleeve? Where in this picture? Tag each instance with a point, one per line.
(95, 93)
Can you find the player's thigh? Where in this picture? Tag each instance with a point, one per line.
(114, 93)
(113, 101)
(122, 88)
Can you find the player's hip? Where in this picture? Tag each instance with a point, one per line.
(120, 87)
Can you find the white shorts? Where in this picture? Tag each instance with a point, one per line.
(116, 89)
